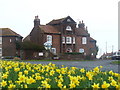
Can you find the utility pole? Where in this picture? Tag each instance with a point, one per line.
(106, 47)
(112, 48)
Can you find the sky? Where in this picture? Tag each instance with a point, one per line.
(100, 16)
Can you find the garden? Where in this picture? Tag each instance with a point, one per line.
(19, 75)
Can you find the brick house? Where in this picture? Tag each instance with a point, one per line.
(62, 35)
(8, 39)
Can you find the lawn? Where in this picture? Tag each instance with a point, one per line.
(115, 62)
(17, 74)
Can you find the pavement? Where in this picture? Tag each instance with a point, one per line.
(107, 66)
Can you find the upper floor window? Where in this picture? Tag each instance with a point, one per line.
(17, 39)
(84, 40)
(49, 38)
(73, 40)
(0, 40)
(69, 28)
(68, 20)
(68, 40)
(63, 39)
(10, 40)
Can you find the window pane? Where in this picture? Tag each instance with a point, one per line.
(49, 38)
(68, 28)
(68, 40)
(0, 50)
(0, 40)
(81, 50)
(73, 40)
(63, 39)
(84, 40)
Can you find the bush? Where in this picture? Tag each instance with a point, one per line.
(73, 53)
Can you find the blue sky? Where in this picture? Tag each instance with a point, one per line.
(100, 16)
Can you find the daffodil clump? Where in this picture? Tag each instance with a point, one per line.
(26, 75)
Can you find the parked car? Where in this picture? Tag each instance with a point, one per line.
(116, 55)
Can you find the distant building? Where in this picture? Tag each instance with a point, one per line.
(107, 56)
(8, 39)
(62, 36)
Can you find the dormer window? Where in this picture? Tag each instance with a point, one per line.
(69, 28)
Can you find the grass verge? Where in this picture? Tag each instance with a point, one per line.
(115, 62)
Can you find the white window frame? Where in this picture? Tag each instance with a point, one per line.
(68, 50)
(49, 38)
(10, 40)
(69, 28)
(16, 38)
(0, 51)
(0, 40)
(63, 39)
(68, 20)
(73, 40)
(81, 50)
(53, 50)
(84, 40)
(68, 40)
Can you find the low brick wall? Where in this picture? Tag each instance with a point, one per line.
(72, 57)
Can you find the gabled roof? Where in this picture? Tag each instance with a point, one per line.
(81, 32)
(8, 32)
(49, 29)
(58, 21)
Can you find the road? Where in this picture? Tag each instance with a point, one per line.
(107, 66)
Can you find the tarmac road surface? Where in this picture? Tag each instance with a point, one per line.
(107, 66)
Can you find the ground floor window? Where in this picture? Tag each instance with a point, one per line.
(69, 50)
(53, 50)
(0, 51)
(81, 50)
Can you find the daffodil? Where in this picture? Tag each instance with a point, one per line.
(113, 83)
(4, 76)
(26, 72)
(105, 85)
(11, 86)
(95, 86)
(38, 77)
(96, 69)
(3, 83)
(60, 84)
(30, 80)
(22, 78)
(82, 70)
(16, 69)
(72, 85)
(52, 72)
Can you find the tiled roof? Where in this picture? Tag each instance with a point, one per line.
(56, 21)
(8, 32)
(49, 29)
(81, 31)
(92, 40)
(27, 38)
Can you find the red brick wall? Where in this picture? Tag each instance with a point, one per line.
(9, 48)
